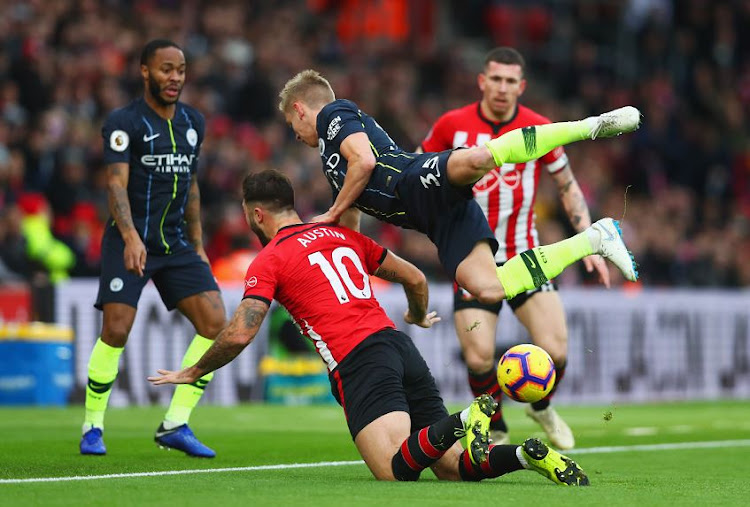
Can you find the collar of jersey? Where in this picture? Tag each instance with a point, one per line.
(496, 125)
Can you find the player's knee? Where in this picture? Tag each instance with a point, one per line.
(211, 329)
(490, 295)
(557, 348)
(479, 361)
(115, 334)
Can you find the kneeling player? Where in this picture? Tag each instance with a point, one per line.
(320, 273)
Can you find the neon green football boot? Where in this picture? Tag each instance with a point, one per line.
(553, 465)
(477, 428)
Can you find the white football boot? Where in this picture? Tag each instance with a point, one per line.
(606, 240)
(615, 122)
(557, 430)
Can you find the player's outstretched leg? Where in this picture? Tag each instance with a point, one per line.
(548, 462)
(534, 267)
(425, 447)
(529, 143)
(102, 370)
(174, 432)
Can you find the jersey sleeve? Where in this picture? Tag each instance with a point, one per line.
(374, 254)
(117, 133)
(261, 279)
(555, 160)
(200, 127)
(438, 138)
(340, 120)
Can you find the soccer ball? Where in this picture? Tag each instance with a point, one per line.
(526, 373)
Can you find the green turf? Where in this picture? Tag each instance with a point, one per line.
(44, 443)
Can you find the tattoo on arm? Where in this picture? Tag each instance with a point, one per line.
(235, 337)
(388, 275)
(120, 208)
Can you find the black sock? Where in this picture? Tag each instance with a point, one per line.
(559, 374)
(481, 383)
(425, 447)
(502, 460)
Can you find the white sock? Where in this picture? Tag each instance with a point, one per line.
(595, 238)
(464, 416)
(170, 425)
(521, 459)
(87, 426)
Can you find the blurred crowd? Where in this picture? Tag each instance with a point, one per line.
(682, 182)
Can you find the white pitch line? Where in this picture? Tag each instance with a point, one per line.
(586, 450)
(676, 446)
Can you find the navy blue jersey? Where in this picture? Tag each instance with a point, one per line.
(162, 156)
(335, 122)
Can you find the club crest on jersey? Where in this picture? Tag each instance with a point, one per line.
(192, 137)
(116, 284)
(119, 140)
(333, 128)
(251, 282)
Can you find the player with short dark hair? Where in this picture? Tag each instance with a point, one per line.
(151, 149)
(321, 274)
(506, 196)
(432, 192)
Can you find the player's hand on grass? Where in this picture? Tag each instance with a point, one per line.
(135, 256)
(173, 377)
(596, 263)
(427, 322)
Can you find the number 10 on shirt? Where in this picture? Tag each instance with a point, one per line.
(338, 275)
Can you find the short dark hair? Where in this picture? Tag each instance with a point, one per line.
(153, 46)
(269, 187)
(506, 55)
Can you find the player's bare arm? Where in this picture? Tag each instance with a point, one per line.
(351, 219)
(396, 269)
(360, 164)
(119, 207)
(578, 213)
(232, 340)
(193, 220)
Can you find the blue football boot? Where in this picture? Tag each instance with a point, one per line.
(93, 443)
(182, 439)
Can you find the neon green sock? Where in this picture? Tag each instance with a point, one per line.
(529, 143)
(102, 373)
(534, 267)
(186, 396)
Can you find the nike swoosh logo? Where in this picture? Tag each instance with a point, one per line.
(610, 236)
(160, 434)
(146, 138)
(529, 258)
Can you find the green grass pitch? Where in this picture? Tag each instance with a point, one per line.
(625, 450)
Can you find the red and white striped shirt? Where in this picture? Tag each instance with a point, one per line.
(507, 193)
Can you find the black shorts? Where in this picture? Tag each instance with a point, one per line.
(448, 215)
(462, 299)
(383, 374)
(176, 276)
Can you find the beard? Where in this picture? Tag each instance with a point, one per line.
(264, 240)
(155, 90)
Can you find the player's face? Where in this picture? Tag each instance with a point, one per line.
(501, 85)
(303, 124)
(165, 75)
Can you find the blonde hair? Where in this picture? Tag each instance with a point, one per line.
(309, 87)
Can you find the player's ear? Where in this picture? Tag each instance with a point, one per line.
(299, 109)
(481, 78)
(144, 71)
(521, 87)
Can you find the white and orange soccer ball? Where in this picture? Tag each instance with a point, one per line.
(526, 373)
